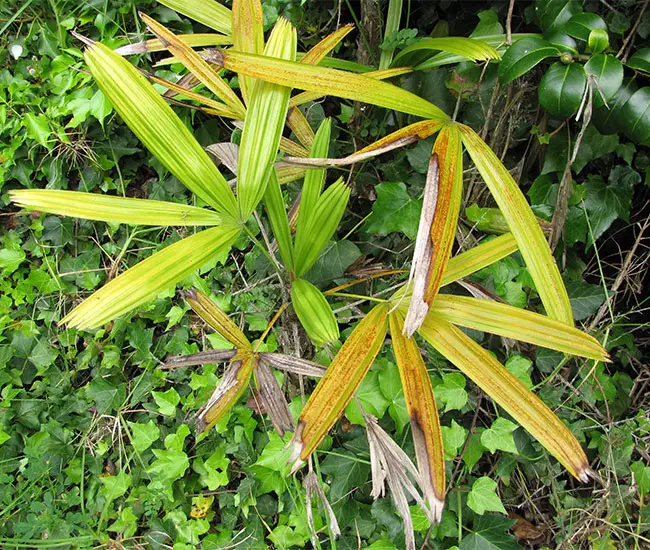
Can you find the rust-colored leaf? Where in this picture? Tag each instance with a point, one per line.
(326, 45)
(300, 126)
(205, 308)
(229, 390)
(423, 415)
(502, 386)
(248, 35)
(343, 377)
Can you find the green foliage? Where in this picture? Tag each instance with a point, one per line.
(95, 445)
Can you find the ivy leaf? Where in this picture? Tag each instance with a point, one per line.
(585, 298)
(394, 210)
(605, 202)
(114, 487)
(483, 497)
(641, 478)
(474, 451)
(100, 107)
(213, 472)
(453, 438)
(520, 366)
(371, 398)
(499, 436)
(275, 455)
(144, 435)
(489, 532)
(38, 128)
(345, 472)
(167, 401)
(284, 537)
(451, 393)
(334, 261)
(170, 465)
(10, 260)
(105, 394)
(391, 388)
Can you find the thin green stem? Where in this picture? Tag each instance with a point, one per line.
(358, 297)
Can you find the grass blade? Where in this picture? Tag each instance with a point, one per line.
(158, 127)
(150, 277)
(343, 377)
(392, 26)
(523, 225)
(519, 324)
(495, 380)
(105, 208)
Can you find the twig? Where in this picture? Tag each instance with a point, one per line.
(632, 32)
(622, 274)
(511, 8)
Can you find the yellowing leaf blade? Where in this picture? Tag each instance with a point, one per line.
(147, 279)
(523, 225)
(158, 127)
(469, 48)
(196, 65)
(228, 392)
(519, 324)
(495, 380)
(423, 414)
(248, 23)
(329, 82)
(343, 377)
(106, 208)
(214, 316)
(478, 257)
(264, 123)
(208, 12)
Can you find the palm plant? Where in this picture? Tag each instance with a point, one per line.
(267, 72)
